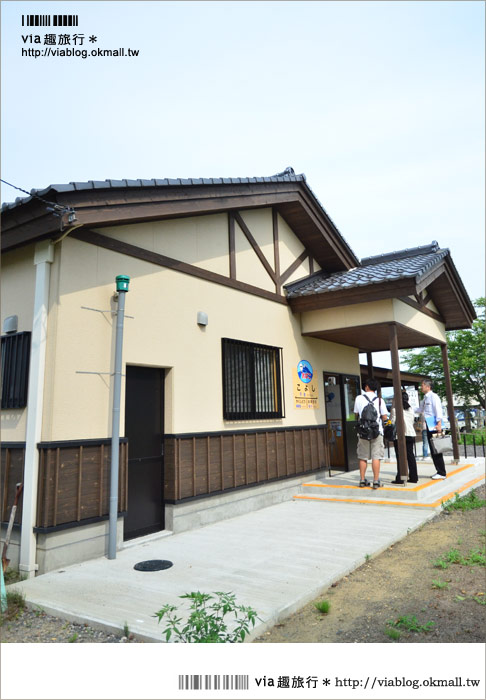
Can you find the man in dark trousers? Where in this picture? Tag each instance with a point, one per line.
(431, 407)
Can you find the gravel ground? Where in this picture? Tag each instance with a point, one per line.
(397, 583)
(34, 625)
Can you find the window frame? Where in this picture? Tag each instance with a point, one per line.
(260, 386)
(15, 361)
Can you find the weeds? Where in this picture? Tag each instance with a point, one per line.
(470, 501)
(392, 633)
(126, 630)
(323, 606)
(73, 638)
(12, 576)
(206, 623)
(439, 584)
(367, 557)
(476, 557)
(410, 623)
(15, 606)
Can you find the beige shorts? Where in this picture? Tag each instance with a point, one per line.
(371, 449)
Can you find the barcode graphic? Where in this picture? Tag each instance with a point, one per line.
(49, 20)
(208, 682)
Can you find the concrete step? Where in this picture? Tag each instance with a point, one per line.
(427, 492)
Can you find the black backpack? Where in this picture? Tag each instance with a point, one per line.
(368, 428)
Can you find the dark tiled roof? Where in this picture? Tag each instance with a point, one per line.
(288, 175)
(401, 264)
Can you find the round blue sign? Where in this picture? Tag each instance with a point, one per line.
(305, 371)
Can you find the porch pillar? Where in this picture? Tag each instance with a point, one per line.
(397, 392)
(450, 401)
(369, 357)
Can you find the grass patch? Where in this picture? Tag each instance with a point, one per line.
(323, 606)
(410, 623)
(470, 501)
(439, 584)
(476, 557)
(73, 638)
(478, 433)
(15, 606)
(12, 576)
(392, 633)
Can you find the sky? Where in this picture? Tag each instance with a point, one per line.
(380, 104)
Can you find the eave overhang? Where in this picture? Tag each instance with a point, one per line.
(111, 205)
(441, 282)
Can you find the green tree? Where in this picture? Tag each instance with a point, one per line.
(466, 350)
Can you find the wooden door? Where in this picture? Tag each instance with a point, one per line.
(144, 421)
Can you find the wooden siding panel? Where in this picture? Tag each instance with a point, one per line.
(219, 462)
(74, 482)
(11, 474)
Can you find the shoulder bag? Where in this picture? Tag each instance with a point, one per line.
(441, 444)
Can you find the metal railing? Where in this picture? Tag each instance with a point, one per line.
(476, 446)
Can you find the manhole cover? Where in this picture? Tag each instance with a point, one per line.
(153, 565)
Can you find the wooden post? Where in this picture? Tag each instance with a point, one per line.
(450, 401)
(369, 357)
(397, 392)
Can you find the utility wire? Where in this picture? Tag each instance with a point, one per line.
(57, 207)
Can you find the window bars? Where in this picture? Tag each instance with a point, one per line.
(15, 369)
(252, 380)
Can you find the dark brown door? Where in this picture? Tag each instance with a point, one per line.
(335, 422)
(144, 421)
(351, 389)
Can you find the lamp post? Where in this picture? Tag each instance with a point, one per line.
(122, 282)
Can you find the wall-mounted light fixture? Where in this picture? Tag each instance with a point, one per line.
(11, 324)
(202, 318)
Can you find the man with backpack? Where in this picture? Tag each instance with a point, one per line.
(371, 413)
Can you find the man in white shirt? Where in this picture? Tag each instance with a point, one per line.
(431, 407)
(371, 449)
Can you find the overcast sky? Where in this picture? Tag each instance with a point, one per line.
(380, 104)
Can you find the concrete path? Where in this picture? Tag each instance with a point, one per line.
(275, 559)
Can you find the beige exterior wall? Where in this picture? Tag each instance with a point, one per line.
(197, 240)
(348, 316)
(204, 241)
(290, 248)
(17, 295)
(383, 311)
(163, 333)
(249, 268)
(417, 320)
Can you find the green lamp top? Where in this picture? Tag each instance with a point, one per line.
(122, 282)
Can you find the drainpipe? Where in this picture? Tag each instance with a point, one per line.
(122, 282)
(43, 258)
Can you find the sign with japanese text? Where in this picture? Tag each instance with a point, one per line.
(306, 393)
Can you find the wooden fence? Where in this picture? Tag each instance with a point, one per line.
(74, 480)
(196, 465)
(11, 473)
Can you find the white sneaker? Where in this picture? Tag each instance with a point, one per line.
(438, 476)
